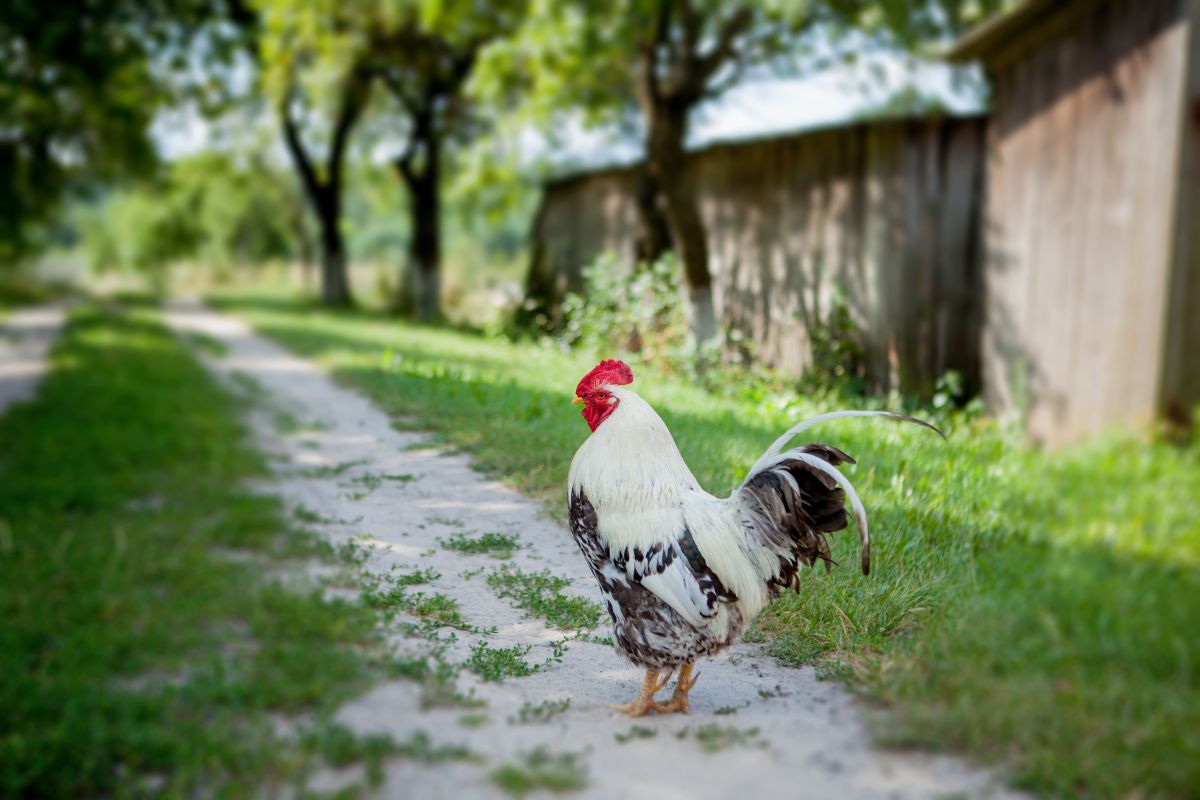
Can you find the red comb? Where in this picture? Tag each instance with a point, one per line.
(607, 372)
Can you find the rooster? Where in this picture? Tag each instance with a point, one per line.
(683, 572)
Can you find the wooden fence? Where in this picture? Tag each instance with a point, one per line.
(883, 217)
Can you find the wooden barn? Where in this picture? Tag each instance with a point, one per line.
(880, 216)
(1091, 278)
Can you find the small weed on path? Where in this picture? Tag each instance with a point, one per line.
(541, 594)
(496, 545)
(713, 738)
(392, 591)
(636, 732)
(498, 663)
(541, 769)
(437, 677)
(541, 712)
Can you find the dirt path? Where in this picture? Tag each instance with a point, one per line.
(26, 336)
(794, 736)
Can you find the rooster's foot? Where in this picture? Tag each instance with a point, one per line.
(644, 702)
(678, 704)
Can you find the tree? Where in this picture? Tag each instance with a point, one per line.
(323, 185)
(667, 56)
(317, 97)
(424, 54)
(425, 73)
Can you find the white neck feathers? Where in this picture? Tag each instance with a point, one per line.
(633, 474)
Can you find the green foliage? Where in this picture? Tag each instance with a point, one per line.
(837, 351)
(638, 316)
(341, 747)
(207, 207)
(16, 291)
(587, 59)
(635, 733)
(1027, 606)
(392, 591)
(63, 92)
(134, 649)
(629, 312)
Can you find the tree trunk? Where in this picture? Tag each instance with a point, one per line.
(304, 248)
(653, 234)
(335, 288)
(324, 198)
(425, 246)
(666, 163)
(422, 178)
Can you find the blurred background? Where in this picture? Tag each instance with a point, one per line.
(1010, 204)
(985, 211)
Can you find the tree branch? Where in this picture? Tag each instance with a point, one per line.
(725, 48)
(354, 99)
(398, 91)
(299, 154)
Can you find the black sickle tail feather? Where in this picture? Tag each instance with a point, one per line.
(801, 504)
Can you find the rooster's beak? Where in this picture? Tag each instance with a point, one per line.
(578, 400)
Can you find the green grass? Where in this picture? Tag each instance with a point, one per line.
(138, 656)
(1036, 609)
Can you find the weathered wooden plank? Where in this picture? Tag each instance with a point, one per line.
(1080, 212)
(1180, 392)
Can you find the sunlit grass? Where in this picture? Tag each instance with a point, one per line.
(1031, 608)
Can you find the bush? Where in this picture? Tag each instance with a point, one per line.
(637, 312)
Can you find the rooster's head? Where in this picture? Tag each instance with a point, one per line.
(593, 392)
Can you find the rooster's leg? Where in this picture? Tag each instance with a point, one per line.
(679, 699)
(644, 702)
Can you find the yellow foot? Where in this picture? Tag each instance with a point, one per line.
(678, 704)
(644, 702)
(638, 708)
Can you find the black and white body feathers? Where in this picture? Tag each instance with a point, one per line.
(683, 572)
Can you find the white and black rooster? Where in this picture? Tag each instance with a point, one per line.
(682, 572)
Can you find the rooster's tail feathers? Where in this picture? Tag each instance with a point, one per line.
(795, 430)
(795, 500)
(800, 493)
(860, 513)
